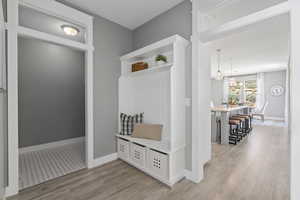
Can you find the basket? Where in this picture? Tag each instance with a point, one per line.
(139, 66)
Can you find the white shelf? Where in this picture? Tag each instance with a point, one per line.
(161, 146)
(154, 49)
(160, 68)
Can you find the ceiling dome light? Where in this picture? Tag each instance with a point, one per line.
(70, 30)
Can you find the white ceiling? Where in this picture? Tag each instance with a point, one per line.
(259, 48)
(262, 47)
(128, 13)
(222, 11)
(206, 5)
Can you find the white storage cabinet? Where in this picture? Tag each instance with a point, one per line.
(158, 92)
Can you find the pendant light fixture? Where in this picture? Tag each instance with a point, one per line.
(219, 73)
(232, 81)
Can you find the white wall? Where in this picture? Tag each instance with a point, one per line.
(217, 91)
(52, 80)
(276, 107)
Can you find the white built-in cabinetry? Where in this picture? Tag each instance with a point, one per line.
(158, 92)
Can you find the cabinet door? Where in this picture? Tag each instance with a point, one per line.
(158, 164)
(138, 155)
(123, 149)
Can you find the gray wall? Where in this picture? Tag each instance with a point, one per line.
(111, 41)
(4, 4)
(276, 107)
(51, 92)
(177, 20)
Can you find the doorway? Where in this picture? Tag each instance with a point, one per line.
(253, 64)
(17, 28)
(51, 111)
(201, 70)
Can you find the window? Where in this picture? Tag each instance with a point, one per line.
(243, 91)
(235, 93)
(250, 92)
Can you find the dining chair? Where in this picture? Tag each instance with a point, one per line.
(261, 112)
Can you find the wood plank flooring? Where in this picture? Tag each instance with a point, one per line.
(256, 169)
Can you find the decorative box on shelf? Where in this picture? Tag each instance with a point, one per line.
(139, 66)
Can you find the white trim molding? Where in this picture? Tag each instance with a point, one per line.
(294, 127)
(61, 11)
(28, 32)
(52, 145)
(188, 174)
(105, 159)
(12, 79)
(54, 8)
(274, 118)
(217, 32)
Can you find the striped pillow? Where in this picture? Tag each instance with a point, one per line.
(128, 122)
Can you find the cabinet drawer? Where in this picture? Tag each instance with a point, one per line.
(123, 149)
(138, 155)
(158, 164)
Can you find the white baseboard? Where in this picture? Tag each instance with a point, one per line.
(51, 145)
(11, 191)
(188, 174)
(274, 118)
(177, 179)
(105, 159)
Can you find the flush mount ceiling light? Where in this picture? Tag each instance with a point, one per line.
(70, 30)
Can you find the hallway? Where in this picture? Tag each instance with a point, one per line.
(255, 169)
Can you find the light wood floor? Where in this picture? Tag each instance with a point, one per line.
(256, 169)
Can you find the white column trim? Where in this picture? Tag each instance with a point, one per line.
(294, 100)
(12, 79)
(59, 10)
(201, 129)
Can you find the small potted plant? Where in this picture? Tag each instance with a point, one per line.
(161, 59)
